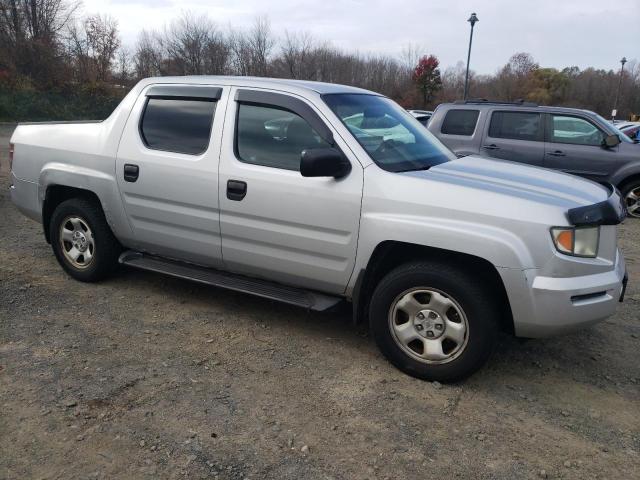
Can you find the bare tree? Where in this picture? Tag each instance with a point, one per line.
(296, 55)
(29, 35)
(92, 45)
(260, 42)
(123, 69)
(103, 40)
(148, 56)
(185, 41)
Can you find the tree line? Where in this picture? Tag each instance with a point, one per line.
(55, 63)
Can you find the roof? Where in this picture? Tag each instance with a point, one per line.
(516, 105)
(261, 82)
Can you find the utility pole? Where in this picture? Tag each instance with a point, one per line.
(473, 19)
(623, 60)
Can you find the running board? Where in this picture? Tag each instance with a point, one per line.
(209, 276)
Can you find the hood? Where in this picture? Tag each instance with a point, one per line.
(512, 179)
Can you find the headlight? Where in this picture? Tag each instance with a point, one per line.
(579, 242)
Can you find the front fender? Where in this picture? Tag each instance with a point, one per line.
(627, 171)
(500, 247)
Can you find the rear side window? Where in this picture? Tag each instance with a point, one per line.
(460, 122)
(177, 125)
(273, 137)
(516, 126)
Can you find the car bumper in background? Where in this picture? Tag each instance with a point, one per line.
(560, 305)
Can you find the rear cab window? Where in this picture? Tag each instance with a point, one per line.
(516, 126)
(178, 119)
(460, 122)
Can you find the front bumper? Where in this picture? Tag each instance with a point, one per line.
(552, 306)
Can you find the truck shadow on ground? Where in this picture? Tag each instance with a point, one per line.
(573, 355)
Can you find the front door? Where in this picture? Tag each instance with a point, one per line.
(516, 136)
(167, 170)
(275, 223)
(575, 145)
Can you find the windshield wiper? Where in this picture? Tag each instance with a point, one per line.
(418, 169)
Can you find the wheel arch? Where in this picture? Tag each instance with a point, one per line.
(391, 253)
(55, 195)
(628, 179)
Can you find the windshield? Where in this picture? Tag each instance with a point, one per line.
(389, 134)
(612, 130)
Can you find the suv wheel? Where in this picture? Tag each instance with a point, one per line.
(434, 321)
(631, 194)
(82, 240)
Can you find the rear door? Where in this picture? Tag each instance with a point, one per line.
(275, 223)
(515, 135)
(574, 145)
(167, 170)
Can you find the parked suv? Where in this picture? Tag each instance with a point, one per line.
(574, 141)
(311, 194)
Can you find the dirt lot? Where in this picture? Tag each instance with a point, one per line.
(145, 376)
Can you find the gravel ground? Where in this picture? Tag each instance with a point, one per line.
(144, 376)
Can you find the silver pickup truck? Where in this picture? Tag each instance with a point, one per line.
(312, 194)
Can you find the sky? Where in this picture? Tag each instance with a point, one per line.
(557, 33)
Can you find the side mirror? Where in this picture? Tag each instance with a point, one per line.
(611, 141)
(324, 162)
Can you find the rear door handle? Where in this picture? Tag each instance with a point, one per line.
(493, 146)
(236, 190)
(131, 172)
(557, 153)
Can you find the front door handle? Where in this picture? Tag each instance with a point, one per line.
(493, 146)
(131, 172)
(236, 190)
(557, 153)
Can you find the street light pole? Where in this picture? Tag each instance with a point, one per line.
(473, 19)
(623, 60)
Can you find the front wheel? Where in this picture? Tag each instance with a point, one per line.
(631, 194)
(434, 321)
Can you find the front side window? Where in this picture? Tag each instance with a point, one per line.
(177, 125)
(273, 136)
(391, 136)
(460, 122)
(516, 126)
(575, 130)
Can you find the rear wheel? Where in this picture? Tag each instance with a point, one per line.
(434, 321)
(631, 194)
(82, 240)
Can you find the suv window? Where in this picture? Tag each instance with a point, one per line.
(177, 125)
(460, 122)
(575, 130)
(273, 137)
(516, 126)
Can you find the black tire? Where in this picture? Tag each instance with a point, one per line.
(106, 247)
(625, 189)
(468, 292)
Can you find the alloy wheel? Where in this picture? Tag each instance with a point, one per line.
(77, 242)
(429, 325)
